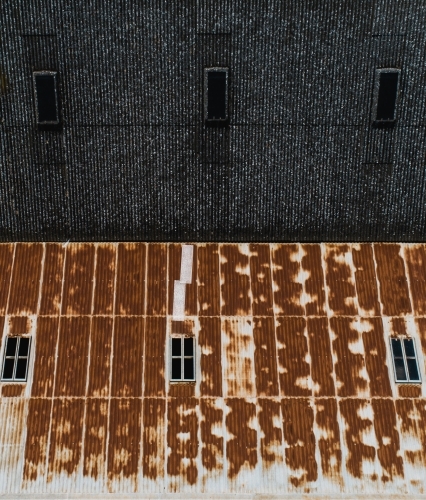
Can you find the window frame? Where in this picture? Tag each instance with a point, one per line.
(55, 79)
(182, 357)
(16, 357)
(221, 122)
(384, 122)
(404, 357)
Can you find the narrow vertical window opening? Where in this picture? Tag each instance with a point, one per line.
(385, 96)
(216, 96)
(46, 97)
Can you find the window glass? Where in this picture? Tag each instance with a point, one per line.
(46, 97)
(16, 355)
(404, 360)
(11, 346)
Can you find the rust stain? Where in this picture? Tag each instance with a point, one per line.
(124, 438)
(19, 324)
(211, 435)
(271, 443)
(12, 390)
(329, 442)
(73, 351)
(191, 300)
(100, 354)
(186, 327)
(181, 390)
(375, 358)
(298, 419)
(130, 293)
(153, 458)
(38, 421)
(182, 439)
(398, 327)
(155, 343)
(104, 279)
(314, 283)
(260, 273)
(127, 364)
(175, 257)
(421, 328)
(44, 365)
(409, 391)
(94, 456)
(209, 340)
(285, 270)
(66, 436)
(294, 370)
(350, 363)
(241, 449)
(235, 281)
(321, 359)
(52, 279)
(25, 278)
(393, 283)
(415, 257)
(265, 357)
(6, 259)
(412, 415)
(208, 280)
(388, 439)
(338, 275)
(156, 279)
(365, 279)
(2, 318)
(356, 427)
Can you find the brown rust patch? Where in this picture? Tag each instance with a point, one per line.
(271, 443)
(285, 269)
(153, 458)
(26, 278)
(375, 358)
(78, 279)
(409, 391)
(185, 327)
(415, 257)
(209, 340)
(393, 284)
(388, 439)
(182, 390)
(298, 419)
(38, 421)
(349, 364)
(156, 279)
(6, 259)
(211, 435)
(19, 324)
(355, 427)
(261, 286)
(124, 438)
(329, 442)
(339, 279)
(95, 438)
(51, 292)
(208, 280)
(66, 436)
(12, 390)
(127, 363)
(130, 293)
(2, 318)
(235, 281)
(398, 327)
(100, 355)
(365, 279)
(44, 365)
(314, 284)
(241, 449)
(412, 415)
(103, 296)
(191, 300)
(265, 356)
(292, 355)
(421, 327)
(182, 439)
(321, 359)
(73, 351)
(155, 343)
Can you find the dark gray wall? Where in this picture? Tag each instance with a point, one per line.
(300, 159)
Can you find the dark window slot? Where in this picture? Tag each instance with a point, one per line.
(385, 98)
(45, 84)
(216, 96)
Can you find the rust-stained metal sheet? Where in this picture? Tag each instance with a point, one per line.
(130, 291)
(6, 261)
(100, 356)
(260, 275)
(51, 290)
(103, 295)
(208, 280)
(235, 280)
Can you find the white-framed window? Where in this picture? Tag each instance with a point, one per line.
(15, 359)
(182, 365)
(406, 368)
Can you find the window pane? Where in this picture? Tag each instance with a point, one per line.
(396, 348)
(21, 369)
(176, 369)
(188, 369)
(11, 346)
(188, 347)
(23, 346)
(409, 348)
(217, 95)
(8, 369)
(388, 86)
(400, 369)
(46, 98)
(176, 347)
(413, 373)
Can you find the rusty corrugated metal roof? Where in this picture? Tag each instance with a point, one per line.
(294, 390)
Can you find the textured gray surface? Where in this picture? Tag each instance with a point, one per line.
(299, 161)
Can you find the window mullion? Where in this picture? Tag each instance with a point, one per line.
(404, 357)
(16, 359)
